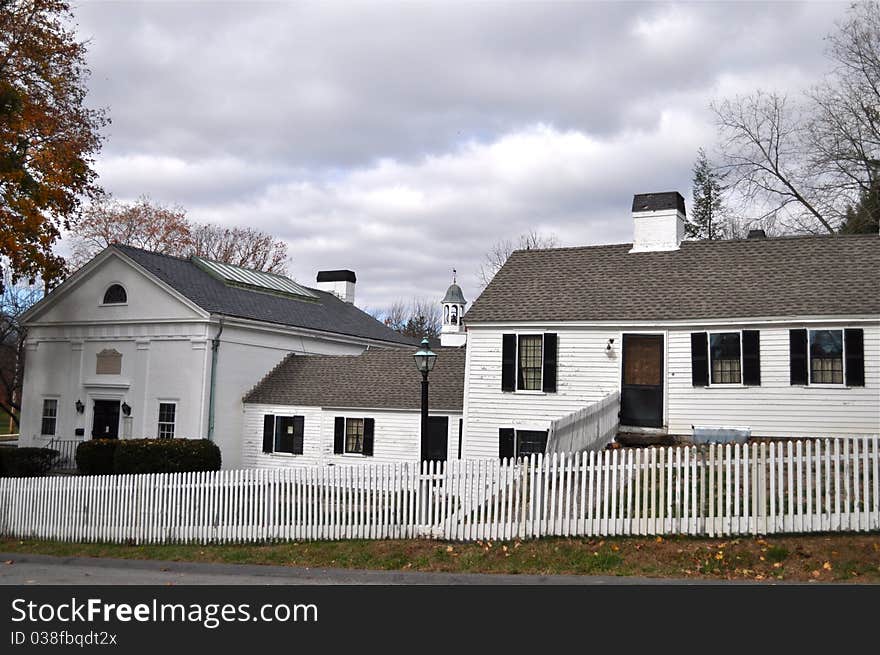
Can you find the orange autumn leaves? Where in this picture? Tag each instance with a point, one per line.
(48, 136)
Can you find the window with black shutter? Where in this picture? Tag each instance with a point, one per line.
(289, 434)
(339, 435)
(508, 362)
(700, 359)
(550, 348)
(854, 344)
(369, 430)
(797, 356)
(268, 433)
(506, 443)
(751, 354)
(529, 362)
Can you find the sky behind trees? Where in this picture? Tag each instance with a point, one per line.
(402, 141)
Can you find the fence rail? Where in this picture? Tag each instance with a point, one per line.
(766, 488)
(590, 428)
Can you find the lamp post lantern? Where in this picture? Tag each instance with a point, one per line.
(425, 360)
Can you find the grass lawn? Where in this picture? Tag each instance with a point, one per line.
(824, 558)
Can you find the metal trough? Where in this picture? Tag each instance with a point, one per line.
(720, 434)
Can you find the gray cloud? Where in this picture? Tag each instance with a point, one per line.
(402, 140)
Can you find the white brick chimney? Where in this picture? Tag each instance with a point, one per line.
(658, 221)
(340, 283)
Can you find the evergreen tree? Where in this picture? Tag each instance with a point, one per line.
(707, 209)
(864, 218)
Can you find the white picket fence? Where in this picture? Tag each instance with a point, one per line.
(803, 486)
(590, 428)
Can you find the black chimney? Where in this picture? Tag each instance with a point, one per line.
(757, 234)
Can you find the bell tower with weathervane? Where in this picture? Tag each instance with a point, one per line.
(452, 332)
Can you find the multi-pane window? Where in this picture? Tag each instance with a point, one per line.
(115, 295)
(530, 442)
(50, 417)
(354, 435)
(826, 356)
(726, 357)
(530, 357)
(167, 413)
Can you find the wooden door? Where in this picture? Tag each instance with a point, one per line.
(641, 397)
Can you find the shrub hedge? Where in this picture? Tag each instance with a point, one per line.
(105, 456)
(26, 462)
(95, 457)
(166, 456)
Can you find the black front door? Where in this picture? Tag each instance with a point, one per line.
(434, 448)
(641, 390)
(105, 424)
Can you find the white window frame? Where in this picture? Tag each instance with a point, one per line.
(516, 442)
(725, 385)
(43, 415)
(345, 450)
(826, 385)
(101, 302)
(160, 422)
(533, 392)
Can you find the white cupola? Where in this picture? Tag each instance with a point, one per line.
(452, 332)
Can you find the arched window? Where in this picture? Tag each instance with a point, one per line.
(115, 295)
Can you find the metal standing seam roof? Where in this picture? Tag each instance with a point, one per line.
(750, 278)
(323, 312)
(249, 278)
(376, 379)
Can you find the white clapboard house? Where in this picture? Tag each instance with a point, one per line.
(140, 344)
(780, 336)
(359, 409)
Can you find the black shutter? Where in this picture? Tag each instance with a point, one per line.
(751, 346)
(506, 442)
(508, 362)
(797, 356)
(298, 435)
(854, 344)
(700, 359)
(268, 433)
(369, 428)
(339, 436)
(550, 348)
(460, 424)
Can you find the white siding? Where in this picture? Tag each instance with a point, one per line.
(775, 409)
(395, 439)
(586, 372)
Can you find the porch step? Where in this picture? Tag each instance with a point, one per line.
(644, 439)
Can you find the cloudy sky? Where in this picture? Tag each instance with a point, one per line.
(402, 140)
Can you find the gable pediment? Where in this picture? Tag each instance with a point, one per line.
(81, 298)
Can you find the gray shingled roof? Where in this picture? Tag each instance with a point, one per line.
(790, 276)
(328, 313)
(379, 378)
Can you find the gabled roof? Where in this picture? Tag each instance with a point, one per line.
(325, 312)
(376, 379)
(752, 278)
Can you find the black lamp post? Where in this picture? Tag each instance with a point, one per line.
(425, 360)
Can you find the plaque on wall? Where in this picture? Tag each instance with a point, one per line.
(109, 362)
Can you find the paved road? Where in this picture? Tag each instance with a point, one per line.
(45, 569)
